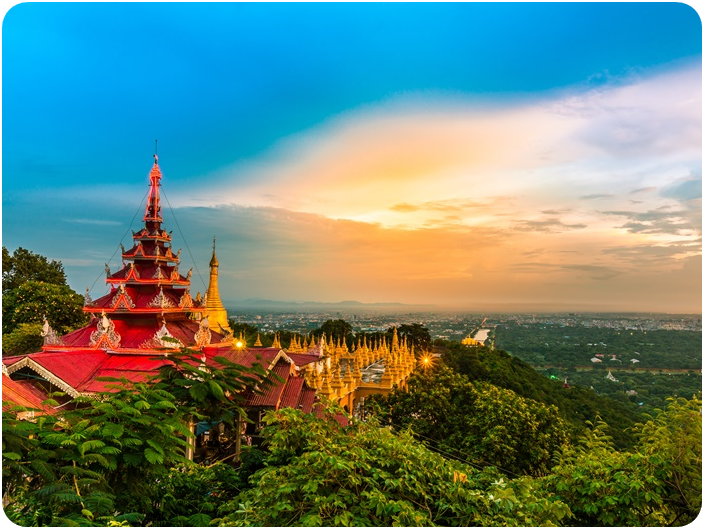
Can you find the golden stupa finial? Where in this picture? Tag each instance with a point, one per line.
(258, 343)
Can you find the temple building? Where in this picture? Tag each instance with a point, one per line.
(349, 376)
(149, 313)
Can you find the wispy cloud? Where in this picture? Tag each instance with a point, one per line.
(595, 196)
(94, 222)
(546, 226)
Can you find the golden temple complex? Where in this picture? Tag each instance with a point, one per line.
(348, 376)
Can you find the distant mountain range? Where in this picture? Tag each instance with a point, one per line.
(316, 306)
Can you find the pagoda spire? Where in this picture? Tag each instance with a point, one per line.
(216, 310)
(152, 213)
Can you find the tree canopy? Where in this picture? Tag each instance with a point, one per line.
(23, 265)
(367, 476)
(32, 300)
(475, 421)
(418, 336)
(99, 463)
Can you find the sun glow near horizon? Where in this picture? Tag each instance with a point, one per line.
(554, 198)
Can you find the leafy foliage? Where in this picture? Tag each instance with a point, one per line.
(335, 328)
(417, 335)
(659, 484)
(74, 468)
(475, 421)
(107, 454)
(23, 265)
(576, 404)
(29, 302)
(25, 339)
(190, 495)
(367, 476)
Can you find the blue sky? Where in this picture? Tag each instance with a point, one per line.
(254, 104)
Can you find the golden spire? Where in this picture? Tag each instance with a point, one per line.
(258, 343)
(217, 314)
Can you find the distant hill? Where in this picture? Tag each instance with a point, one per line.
(316, 306)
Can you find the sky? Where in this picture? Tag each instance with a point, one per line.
(460, 155)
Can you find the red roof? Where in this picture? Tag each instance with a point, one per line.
(306, 399)
(292, 392)
(135, 334)
(319, 410)
(248, 357)
(73, 367)
(302, 359)
(22, 393)
(273, 390)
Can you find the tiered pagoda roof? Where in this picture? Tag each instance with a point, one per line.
(149, 307)
(148, 313)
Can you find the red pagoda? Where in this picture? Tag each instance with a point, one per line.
(148, 314)
(149, 311)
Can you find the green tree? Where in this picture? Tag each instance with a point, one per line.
(83, 465)
(576, 404)
(25, 339)
(31, 301)
(605, 487)
(418, 336)
(367, 476)
(671, 446)
(657, 484)
(24, 265)
(475, 420)
(335, 328)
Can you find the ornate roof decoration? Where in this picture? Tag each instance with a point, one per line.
(186, 300)
(105, 335)
(161, 300)
(226, 333)
(87, 300)
(158, 274)
(122, 299)
(175, 276)
(132, 272)
(203, 336)
(50, 337)
(162, 339)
